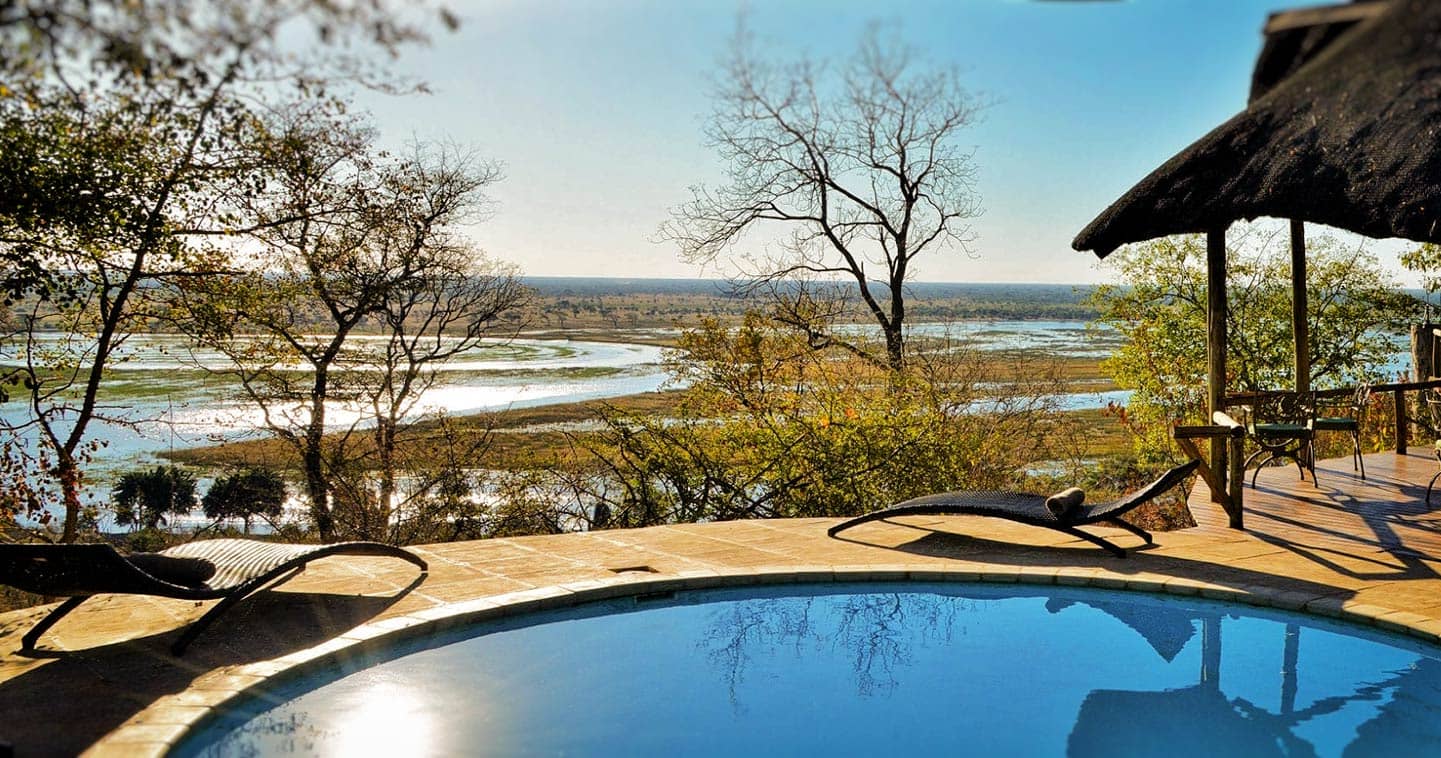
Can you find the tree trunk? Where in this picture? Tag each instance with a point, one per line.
(315, 485)
(69, 474)
(895, 347)
(895, 327)
(385, 458)
(313, 461)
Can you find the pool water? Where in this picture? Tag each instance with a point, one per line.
(868, 669)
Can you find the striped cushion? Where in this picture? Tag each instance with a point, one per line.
(186, 572)
(238, 561)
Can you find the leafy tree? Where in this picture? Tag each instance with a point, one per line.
(81, 79)
(857, 170)
(1158, 306)
(102, 234)
(773, 428)
(128, 131)
(245, 495)
(1425, 260)
(144, 497)
(69, 39)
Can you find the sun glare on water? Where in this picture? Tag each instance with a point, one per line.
(387, 718)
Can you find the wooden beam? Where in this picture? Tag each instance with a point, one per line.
(1226, 480)
(1330, 14)
(1210, 476)
(1222, 425)
(1299, 326)
(1200, 432)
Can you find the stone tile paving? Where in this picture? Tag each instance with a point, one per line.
(105, 674)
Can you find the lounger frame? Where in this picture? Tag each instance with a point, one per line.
(243, 567)
(1028, 508)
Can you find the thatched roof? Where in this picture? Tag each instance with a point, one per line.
(1351, 139)
(1293, 38)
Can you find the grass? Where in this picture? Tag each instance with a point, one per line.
(508, 449)
(528, 438)
(1105, 436)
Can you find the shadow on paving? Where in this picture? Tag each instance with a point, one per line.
(43, 716)
(942, 544)
(1312, 538)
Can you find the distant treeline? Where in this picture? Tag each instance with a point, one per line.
(929, 301)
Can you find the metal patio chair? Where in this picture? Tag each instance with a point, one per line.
(1282, 424)
(1346, 415)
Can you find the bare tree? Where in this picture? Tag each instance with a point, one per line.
(355, 242)
(851, 173)
(452, 307)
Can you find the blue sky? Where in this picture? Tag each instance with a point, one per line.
(596, 109)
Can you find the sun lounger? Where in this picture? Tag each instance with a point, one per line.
(224, 569)
(1031, 509)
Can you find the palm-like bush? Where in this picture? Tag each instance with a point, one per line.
(144, 497)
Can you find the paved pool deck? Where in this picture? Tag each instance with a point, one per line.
(104, 683)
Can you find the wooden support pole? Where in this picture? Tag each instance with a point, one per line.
(1432, 367)
(1211, 651)
(1401, 426)
(1229, 497)
(1216, 343)
(1290, 658)
(1300, 329)
(1423, 345)
(1237, 478)
(1423, 367)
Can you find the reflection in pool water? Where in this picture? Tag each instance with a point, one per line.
(882, 669)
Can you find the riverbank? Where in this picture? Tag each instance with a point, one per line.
(519, 438)
(545, 435)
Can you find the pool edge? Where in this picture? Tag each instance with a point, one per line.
(157, 729)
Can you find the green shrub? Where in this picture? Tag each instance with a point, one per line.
(144, 497)
(245, 495)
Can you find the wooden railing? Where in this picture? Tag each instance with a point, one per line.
(1226, 478)
(1397, 390)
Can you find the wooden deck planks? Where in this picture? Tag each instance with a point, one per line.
(1386, 512)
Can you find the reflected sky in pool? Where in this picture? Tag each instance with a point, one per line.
(871, 669)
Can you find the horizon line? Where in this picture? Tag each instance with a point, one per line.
(727, 279)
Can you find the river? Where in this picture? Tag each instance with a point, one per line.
(161, 396)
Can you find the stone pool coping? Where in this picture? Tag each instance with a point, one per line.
(159, 727)
(1366, 551)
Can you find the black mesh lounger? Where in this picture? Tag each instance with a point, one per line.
(1031, 509)
(227, 569)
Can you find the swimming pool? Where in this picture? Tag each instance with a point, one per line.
(887, 669)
